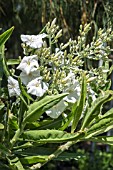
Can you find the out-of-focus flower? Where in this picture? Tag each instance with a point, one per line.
(29, 64)
(33, 41)
(13, 87)
(37, 87)
(26, 78)
(57, 109)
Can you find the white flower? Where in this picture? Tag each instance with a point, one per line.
(69, 80)
(33, 41)
(56, 110)
(29, 64)
(72, 97)
(37, 87)
(72, 87)
(13, 87)
(26, 78)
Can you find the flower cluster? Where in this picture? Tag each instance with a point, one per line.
(46, 69)
(30, 75)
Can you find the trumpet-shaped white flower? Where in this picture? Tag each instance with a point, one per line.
(33, 41)
(29, 64)
(26, 78)
(37, 87)
(13, 87)
(57, 109)
(72, 87)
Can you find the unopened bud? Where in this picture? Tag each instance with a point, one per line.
(53, 22)
(59, 34)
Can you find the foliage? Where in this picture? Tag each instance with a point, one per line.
(56, 99)
(97, 160)
(31, 16)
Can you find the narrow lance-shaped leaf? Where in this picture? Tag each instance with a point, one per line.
(104, 124)
(51, 136)
(42, 158)
(1, 63)
(5, 36)
(95, 109)
(5, 67)
(23, 91)
(39, 154)
(102, 139)
(38, 108)
(33, 159)
(77, 111)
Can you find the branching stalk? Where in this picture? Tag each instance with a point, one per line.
(60, 150)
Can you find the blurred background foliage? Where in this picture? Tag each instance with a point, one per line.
(30, 16)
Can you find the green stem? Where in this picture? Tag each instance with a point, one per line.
(17, 135)
(61, 149)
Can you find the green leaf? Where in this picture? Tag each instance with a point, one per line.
(51, 136)
(38, 108)
(49, 123)
(42, 158)
(5, 36)
(102, 139)
(23, 92)
(3, 64)
(13, 124)
(104, 124)
(36, 154)
(96, 107)
(78, 108)
(25, 145)
(39, 154)
(33, 159)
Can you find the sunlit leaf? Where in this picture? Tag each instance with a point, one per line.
(96, 107)
(77, 111)
(38, 108)
(52, 136)
(5, 36)
(103, 124)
